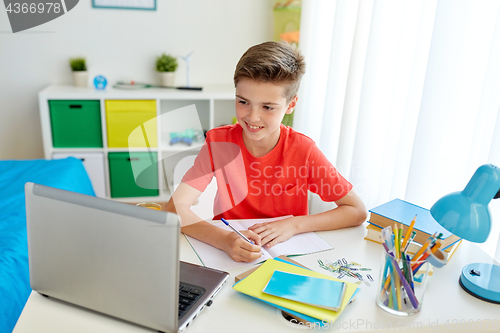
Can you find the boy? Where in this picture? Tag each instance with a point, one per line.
(263, 168)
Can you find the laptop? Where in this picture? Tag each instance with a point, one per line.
(114, 258)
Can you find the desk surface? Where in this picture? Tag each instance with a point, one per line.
(446, 308)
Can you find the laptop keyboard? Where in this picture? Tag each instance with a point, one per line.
(188, 294)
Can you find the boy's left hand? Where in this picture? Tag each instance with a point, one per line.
(272, 233)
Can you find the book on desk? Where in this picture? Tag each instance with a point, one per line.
(402, 212)
(304, 306)
(315, 291)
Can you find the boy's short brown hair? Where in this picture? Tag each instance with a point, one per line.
(275, 62)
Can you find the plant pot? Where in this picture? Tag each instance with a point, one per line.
(167, 79)
(81, 78)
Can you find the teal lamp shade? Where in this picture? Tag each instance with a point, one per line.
(466, 215)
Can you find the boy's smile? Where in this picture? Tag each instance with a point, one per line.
(260, 107)
(254, 128)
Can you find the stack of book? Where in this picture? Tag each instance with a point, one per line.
(402, 212)
(313, 297)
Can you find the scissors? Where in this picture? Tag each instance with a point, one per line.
(132, 85)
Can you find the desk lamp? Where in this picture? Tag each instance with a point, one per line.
(466, 215)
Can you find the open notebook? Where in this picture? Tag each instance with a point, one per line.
(297, 245)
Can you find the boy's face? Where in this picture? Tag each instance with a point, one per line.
(260, 108)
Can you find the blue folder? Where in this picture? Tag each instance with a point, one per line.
(310, 290)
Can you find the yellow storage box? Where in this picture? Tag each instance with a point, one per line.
(131, 123)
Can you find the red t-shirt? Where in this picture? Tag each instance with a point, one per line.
(273, 185)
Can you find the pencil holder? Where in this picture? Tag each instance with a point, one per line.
(402, 285)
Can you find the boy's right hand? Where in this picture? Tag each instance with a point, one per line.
(241, 250)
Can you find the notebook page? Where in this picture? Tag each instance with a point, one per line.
(304, 243)
(213, 257)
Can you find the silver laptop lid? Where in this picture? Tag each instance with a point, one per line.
(107, 256)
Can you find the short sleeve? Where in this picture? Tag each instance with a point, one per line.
(324, 179)
(202, 172)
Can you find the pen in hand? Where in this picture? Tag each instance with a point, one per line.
(235, 230)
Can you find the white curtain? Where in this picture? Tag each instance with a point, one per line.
(403, 97)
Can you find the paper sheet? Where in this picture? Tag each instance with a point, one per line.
(299, 244)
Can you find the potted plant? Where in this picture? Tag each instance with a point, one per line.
(166, 66)
(80, 74)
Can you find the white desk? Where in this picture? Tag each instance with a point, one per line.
(446, 308)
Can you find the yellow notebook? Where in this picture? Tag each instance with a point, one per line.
(253, 285)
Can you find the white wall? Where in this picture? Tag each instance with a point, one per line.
(121, 45)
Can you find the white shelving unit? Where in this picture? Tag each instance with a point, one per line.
(176, 111)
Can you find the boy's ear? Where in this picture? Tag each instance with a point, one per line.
(292, 104)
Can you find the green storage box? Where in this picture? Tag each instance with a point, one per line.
(76, 124)
(133, 174)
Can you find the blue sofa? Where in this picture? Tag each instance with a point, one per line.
(68, 174)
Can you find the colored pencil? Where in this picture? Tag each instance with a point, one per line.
(409, 231)
(396, 241)
(423, 248)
